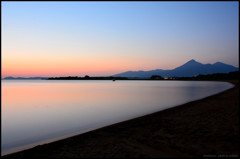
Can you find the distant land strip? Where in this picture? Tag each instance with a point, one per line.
(216, 76)
(87, 78)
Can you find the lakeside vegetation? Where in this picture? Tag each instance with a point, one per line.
(216, 76)
(87, 78)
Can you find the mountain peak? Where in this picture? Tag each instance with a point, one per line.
(190, 68)
(192, 61)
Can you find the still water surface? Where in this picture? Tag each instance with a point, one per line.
(40, 111)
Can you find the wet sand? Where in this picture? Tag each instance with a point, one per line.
(204, 128)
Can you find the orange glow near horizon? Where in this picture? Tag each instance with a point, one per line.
(69, 66)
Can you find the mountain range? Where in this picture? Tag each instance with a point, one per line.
(189, 69)
(24, 78)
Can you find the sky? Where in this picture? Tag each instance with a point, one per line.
(106, 38)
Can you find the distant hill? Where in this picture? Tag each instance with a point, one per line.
(189, 69)
(24, 78)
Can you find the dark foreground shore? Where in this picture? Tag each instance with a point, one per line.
(203, 128)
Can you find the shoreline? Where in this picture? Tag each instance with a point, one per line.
(193, 129)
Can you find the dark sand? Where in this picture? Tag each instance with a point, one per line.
(203, 128)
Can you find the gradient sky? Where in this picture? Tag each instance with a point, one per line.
(106, 38)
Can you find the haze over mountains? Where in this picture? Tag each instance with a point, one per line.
(189, 69)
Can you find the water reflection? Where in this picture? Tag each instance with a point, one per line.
(34, 111)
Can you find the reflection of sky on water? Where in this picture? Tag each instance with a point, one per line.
(39, 110)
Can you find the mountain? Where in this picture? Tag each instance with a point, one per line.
(189, 69)
(24, 78)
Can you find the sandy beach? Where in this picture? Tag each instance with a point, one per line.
(204, 128)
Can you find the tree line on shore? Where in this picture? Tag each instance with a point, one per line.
(215, 76)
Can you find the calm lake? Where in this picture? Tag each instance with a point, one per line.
(40, 111)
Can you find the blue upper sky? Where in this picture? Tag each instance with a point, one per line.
(123, 35)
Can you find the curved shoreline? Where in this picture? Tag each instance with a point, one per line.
(181, 131)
